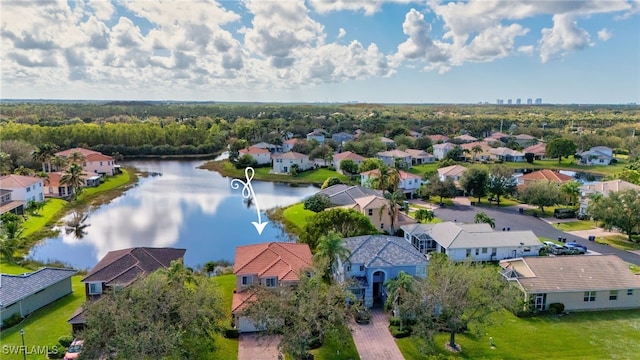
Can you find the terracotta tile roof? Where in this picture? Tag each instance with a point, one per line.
(538, 149)
(291, 155)
(121, 267)
(254, 151)
(453, 170)
(483, 144)
(284, 260)
(373, 201)
(83, 151)
(418, 154)
(348, 155)
(54, 179)
(546, 175)
(292, 141)
(18, 181)
(97, 157)
(436, 138)
(386, 140)
(465, 137)
(498, 135)
(574, 273)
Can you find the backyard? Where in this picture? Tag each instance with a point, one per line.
(317, 176)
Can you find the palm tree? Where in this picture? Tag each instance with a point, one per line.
(424, 214)
(23, 171)
(6, 164)
(58, 162)
(572, 190)
(329, 254)
(10, 232)
(210, 267)
(396, 200)
(398, 289)
(475, 150)
(482, 217)
(74, 177)
(43, 154)
(77, 225)
(388, 179)
(38, 156)
(76, 157)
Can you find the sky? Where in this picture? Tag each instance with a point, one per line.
(378, 51)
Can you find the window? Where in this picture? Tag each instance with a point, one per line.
(348, 268)
(270, 282)
(421, 271)
(361, 267)
(477, 252)
(527, 249)
(630, 292)
(468, 252)
(28, 188)
(95, 288)
(247, 280)
(589, 296)
(613, 295)
(370, 212)
(381, 226)
(484, 250)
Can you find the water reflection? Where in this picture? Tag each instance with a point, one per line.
(184, 207)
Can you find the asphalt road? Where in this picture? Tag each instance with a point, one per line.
(509, 217)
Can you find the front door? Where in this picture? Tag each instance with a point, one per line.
(540, 301)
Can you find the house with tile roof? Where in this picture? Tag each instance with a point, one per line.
(479, 242)
(388, 142)
(597, 155)
(389, 158)
(339, 157)
(54, 187)
(341, 194)
(271, 265)
(543, 175)
(316, 135)
(94, 161)
(282, 163)
(538, 150)
(483, 155)
(581, 283)
(374, 259)
(409, 183)
(453, 172)
(7, 204)
(603, 188)
(524, 140)
(260, 155)
(18, 190)
(288, 145)
(464, 138)
(268, 146)
(440, 150)
(507, 155)
(341, 137)
(120, 268)
(26, 293)
(438, 139)
(419, 157)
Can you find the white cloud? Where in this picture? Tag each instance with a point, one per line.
(342, 33)
(604, 34)
(527, 49)
(369, 7)
(563, 37)
(103, 9)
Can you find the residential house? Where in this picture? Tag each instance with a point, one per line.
(288, 145)
(493, 142)
(374, 259)
(419, 157)
(438, 139)
(454, 172)
(414, 134)
(581, 283)
(603, 188)
(465, 138)
(341, 194)
(23, 188)
(440, 150)
(507, 155)
(282, 163)
(341, 137)
(390, 144)
(538, 150)
(271, 265)
(94, 162)
(546, 175)
(55, 188)
(261, 156)
(409, 183)
(525, 140)
(376, 208)
(389, 158)
(500, 136)
(479, 242)
(7, 204)
(26, 293)
(120, 268)
(483, 155)
(316, 135)
(338, 158)
(597, 155)
(271, 147)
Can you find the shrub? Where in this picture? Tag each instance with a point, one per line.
(230, 333)
(394, 321)
(65, 341)
(314, 343)
(399, 332)
(556, 308)
(11, 321)
(55, 352)
(362, 317)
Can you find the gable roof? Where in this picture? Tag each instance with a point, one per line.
(291, 155)
(443, 146)
(605, 187)
(465, 137)
(13, 181)
(265, 145)
(462, 236)
(394, 153)
(572, 273)
(83, 151)
(453, 170)
(293, 141)
(403, 174)
(524, 137)
(122, 267)
(283, 260)
(372, 201)
(438, 137)
(383, 251)
(17, 287)
(537, 149)
(254, 150)
(418, 154)
(386, 140)
(341, 194)
(499, 135)
(505, 151)
(546, 174)
(348, 155)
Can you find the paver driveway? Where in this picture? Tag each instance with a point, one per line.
(253, 347)
(374, 341)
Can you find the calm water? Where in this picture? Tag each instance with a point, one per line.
(182, 207)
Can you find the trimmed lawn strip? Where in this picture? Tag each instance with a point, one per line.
(569, 164)
(226, 349)
(340, 347)
(13, 269)
(484, 201)
(45, 325)
(602, 334)
(317, 176)
(548, 210)
(619, 242)
(48, 212)
(575, 225)
(297, 215)
(110, 183)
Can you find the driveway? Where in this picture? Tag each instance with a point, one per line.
(251, 346)
(509, 217)
(374, 341)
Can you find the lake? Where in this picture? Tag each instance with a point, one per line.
(178, 206)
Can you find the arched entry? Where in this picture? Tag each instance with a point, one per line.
(379, 277)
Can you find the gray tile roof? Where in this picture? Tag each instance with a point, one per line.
(17, 287)
(383, 251)
(573, 273)
(340, 194)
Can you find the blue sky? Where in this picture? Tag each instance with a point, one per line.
(389, 51)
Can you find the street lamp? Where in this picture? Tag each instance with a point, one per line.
(24, 348)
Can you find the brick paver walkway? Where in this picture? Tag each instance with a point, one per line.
(374, 341)
(253, 347)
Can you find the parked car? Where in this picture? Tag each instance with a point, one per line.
(549, 244)
(560, 249)
(75, 349)
(564, 213)
(573, 243)
(576, 249)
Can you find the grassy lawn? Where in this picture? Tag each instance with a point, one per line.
(110, 183)
(340, 347)
(48, 212)
(422, 169)
(317, 176)
(575, 225)
(600, 335)
(618, 242)
(8, 268)
(484, 201)
(569, 164)
(46, 325)
(548, 210)
(298, 215)
(226, 349)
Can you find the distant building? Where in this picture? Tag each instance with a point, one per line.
(538, 101)
(509, 102)
(518, 101)
(529, 101)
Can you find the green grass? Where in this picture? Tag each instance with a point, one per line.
(8, 268)
(548, 210)
(575, 225)
(110, 183)
(46, 325)
(484, 201)
(338, 347)
(570, 164)
(48, 212)
(226, 349)
(422, 169)
(619, 242)
(298, 215)
(583, 335)
(318, 176)
(634, 268)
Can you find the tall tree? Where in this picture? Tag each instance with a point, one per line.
(58, 163)
(541, 193)
(310, 311)
(74, 176)
(618, 209)
(329, 254)
(482, 217)
(10, 233)
(370, 164)
(388, 179)
(443, 189)
(24, 171)
(76, 157)
(424, 215)
(349, 166)
(560, 147)
(572, 190)
(6, 164)
(475, 150)
(474, 181)
(156, 317)
(501, 182)
(395, 201)
(398, 290)
(345, 222)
